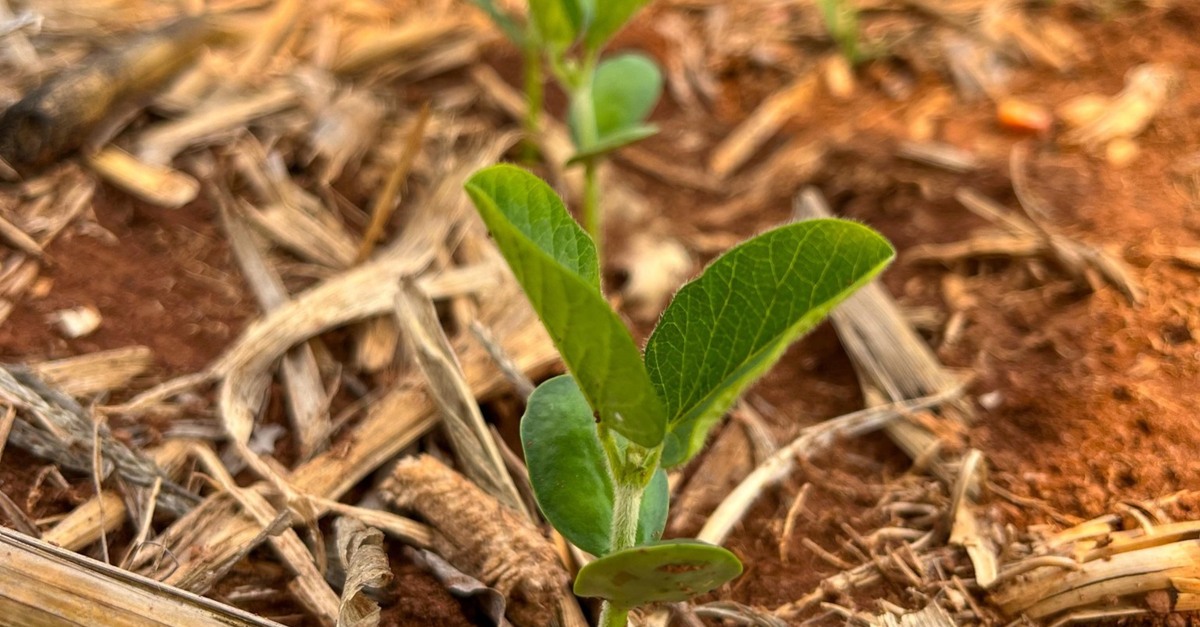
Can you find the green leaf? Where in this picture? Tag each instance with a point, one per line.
(625, 89)
(614, 141)
(726, 328)
(555, 263)
(609, 17)
(569, 470)
(559, 22)
(662, 572)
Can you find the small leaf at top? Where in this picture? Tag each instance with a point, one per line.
(559, 22)
(726, 328)
(609, 17)
(569, 470)
(661, 572)
(625, 89)
(555, 263)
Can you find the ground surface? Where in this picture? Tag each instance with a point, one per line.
(1092, 399)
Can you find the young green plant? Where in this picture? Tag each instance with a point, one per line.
(526, 38)
(609, 100)
(841, 21)
(597, 440)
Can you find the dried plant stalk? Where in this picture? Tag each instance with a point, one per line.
(761, 125)
(412, 39)
(155, 184)
(65, 427)
(392, 424)
(61, 114)
(93, 373)
(161, 143)
(777, 467)
(307, 402)
(106, 512)
(1153, 569)
(46, 585)
(461, 418)
(481, 537)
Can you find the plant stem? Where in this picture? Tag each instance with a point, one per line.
(592, 220)
(534, 98)
(613, 616)
(627, 504)
(589, 135)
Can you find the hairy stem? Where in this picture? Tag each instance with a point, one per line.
(627, 504)
(613, 616)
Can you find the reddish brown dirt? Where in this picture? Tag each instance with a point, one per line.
(1096, 397)
(166, 282)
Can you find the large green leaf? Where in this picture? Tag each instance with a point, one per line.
(559, 22)
(555, 263)
(569, 470)
(661, 572)
(625, 89)
(609, 17)
(726, 328)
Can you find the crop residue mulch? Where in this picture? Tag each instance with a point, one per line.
(1084, 403)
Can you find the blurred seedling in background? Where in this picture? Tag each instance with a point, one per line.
(841, 21)
(608, 100)
(597, 440)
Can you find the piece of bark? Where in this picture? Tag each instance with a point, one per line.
(481, 537)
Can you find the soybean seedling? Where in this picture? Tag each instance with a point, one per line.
(597, 440)
(609, 100)
(527, 39)
(841, 21)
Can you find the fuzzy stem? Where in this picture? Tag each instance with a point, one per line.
(613, 616)
(627, 503)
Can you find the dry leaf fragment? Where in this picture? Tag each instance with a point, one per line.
(360, 551)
